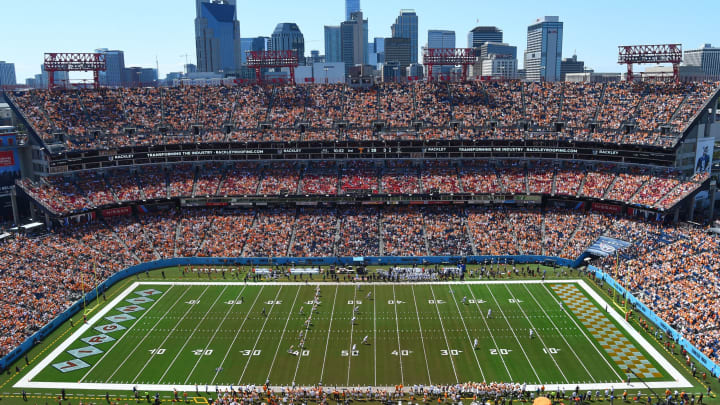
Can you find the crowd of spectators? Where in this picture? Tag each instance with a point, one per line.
(91, 119)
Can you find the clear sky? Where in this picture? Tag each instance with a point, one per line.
(145, 29)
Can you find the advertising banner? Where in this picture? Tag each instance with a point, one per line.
(605, 246)
(703, 155)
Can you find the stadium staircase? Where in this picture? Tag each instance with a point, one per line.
(600, 102)
(610, 187)
(109, 187)
(195, 177)
(177, 235)
(122, 242)
(466, 225)
(664, 197)
(542, 235)
(150, 243)
(209, 230)
(572, 235)
(381, 238)
(291, 241)
(252, 226)
(553, 190)
(642, 186)
(527, 180)
(427, 244)
(336, 238)
(627, 138)
(582, 184)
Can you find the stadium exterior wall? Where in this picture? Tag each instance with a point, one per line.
(669, 331)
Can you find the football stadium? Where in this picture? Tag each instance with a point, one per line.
(445, 237)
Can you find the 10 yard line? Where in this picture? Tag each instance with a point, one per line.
(197, 326)
(128, 331)
(513, 332)
(561, 335)
(215, 333)
(417, 312)
(267, 316)
(537, 333)
(152, 356)
(452, 362)
(217, 371)
(327, 342)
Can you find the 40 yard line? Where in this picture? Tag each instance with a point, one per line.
(215, 333)
(292, 307)
(352, 327)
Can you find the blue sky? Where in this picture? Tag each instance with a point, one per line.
(145, 29)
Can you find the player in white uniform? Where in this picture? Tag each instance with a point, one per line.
(489, 314)
(475, 343)
(532, 332)
(365, 340)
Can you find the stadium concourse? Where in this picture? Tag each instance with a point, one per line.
(670, 268)
(659, 112)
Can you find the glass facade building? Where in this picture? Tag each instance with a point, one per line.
(114, 76)
(544, 50)
(287, 37)
(333, 48)
(351, 6)
(353, 40)
(406, 26)
(441, 39)
(480, 35)
(7, 74)
(217, 36)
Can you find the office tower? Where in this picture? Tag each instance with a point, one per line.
(351, 6)
(480, 35)
(353, 40)
(544, 49)
(571, 65)
(114, 75)
(406, 26)
(333, 47)
(706, 58)
(287, 37)
(441, 39)
(217, 36)
(7, 74)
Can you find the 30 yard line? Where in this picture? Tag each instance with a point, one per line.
(417, 312)
(152, 356)
(489, 331)
(127, 332)
(267, 316)
(582, 363)
(327, 342)
(189, 338)
(537, 332)
(581, 329)
(215, 333)
(513, 332)
(449, 351)
(292, 307)
(469, 338)
(397, 325)
(217, 371)
(352, 327)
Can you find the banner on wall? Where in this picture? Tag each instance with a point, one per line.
(704, 154)
(605, 246)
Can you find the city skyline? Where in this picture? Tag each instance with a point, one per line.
(166, 30)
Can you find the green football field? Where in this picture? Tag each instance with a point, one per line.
(176, 335)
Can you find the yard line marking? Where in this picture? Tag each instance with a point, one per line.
(489, 331)
(193, 334)
(230, 308)
(469, 338)
(513, 332)
(292, 307)
(152, 356)
(374, 338)
(307, 330)
(247, 314)
(397, 325)
(352, 327)
(260, 335)
(582, 330)
(442, 326)
(327, 342)
(427, 366)
(128, 331)
(562, 335)
(537, 332)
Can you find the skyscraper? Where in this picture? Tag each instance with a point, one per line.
(351, 6)
(287, 37)
(353, 40)
(706, 58)
(114, 75)
(571, 65)
(480, 35)
(7, 74)
(333, 48)
(544, 49)
(217, 36)
(441, 39)
(406, 26)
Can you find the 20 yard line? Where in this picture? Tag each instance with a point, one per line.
(449, 351)
(537, 333)
(417, 312)
(562, 335)
(127, 332)
(397, 325)
(215, 333)
(327, 342)
(352, 327)
(513, 332)
(469, 338)
(489, 331)
(152, 356)
(197, 326)
(586, 336)
(259, 335)
(217, 370)
(292, 307)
